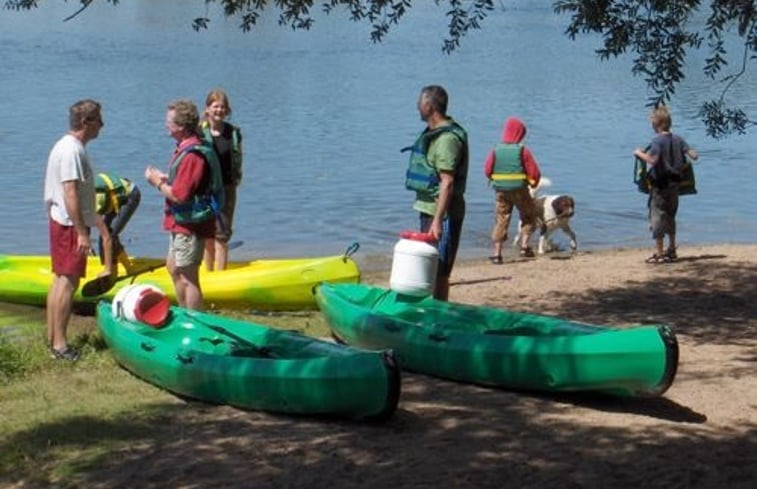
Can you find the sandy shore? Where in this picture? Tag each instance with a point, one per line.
(701, 433)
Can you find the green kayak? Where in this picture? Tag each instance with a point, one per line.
(491, 346)
(226, 361)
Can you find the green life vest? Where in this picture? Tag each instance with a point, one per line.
(508, 173)
(203, 206)
(111, 191)
(236, 148)
(422, 176)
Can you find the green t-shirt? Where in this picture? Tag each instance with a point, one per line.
(446, 153)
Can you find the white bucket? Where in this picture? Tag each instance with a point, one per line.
(144, 303)
(414, 267)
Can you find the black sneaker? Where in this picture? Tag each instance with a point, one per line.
(67, 353)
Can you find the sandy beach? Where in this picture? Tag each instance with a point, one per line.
(701, 433)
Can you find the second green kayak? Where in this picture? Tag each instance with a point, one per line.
(498, 347)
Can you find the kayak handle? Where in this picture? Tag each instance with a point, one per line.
(438, 337)
(147, 346)
(184, 358)
(351, 250)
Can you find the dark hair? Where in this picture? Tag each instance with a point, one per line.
(82, 112)
(437, 96)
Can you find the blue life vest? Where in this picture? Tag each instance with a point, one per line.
(208, 204)
(422, 176)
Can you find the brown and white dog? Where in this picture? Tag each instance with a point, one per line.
(553, 212)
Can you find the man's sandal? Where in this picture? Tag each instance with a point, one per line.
(527, 253)
(656, 259)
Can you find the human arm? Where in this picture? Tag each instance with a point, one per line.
(73, 209)
(159, 180)
(238, 158)
(128, 205)
(489, 164)
(107, 238)
(531, 168)
(444, 154)
(649, 158)
(446, 188)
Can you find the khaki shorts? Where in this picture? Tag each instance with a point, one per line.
(186, 249)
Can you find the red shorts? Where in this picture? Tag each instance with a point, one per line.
(65, 257)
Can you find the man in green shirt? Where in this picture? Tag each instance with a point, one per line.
(437, 173)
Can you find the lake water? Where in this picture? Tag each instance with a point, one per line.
(325, 112)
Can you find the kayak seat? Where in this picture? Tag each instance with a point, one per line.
(251, 351)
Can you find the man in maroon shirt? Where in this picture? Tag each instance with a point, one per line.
(185, 188)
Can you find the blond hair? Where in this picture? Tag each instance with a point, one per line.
(218, 96)
(661, 120)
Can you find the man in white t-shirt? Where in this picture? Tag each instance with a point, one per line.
(70, 202)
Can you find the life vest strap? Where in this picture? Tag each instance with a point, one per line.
(111, 192)
(508, 176)
(422, 177)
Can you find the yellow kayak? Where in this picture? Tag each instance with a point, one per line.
(280, 284)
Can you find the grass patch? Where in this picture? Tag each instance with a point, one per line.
(61, 420)
(21, 347)
(70, 417)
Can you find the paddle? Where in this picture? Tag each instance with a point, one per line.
(101, 285)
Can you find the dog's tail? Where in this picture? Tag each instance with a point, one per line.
(543, 182)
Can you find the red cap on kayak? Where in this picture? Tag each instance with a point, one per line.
(418, 236)
(152, 308)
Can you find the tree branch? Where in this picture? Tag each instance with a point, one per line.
(85, 4)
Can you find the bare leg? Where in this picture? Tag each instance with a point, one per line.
(59, 306)
(189, 278)
(209, 255)
(178, 284)
(222, 253)
(659, 245)
(50, 311)
(497, 249)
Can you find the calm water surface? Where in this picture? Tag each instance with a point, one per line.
(325, 112)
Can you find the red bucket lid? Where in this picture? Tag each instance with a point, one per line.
(152, 308)
(418, 236)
